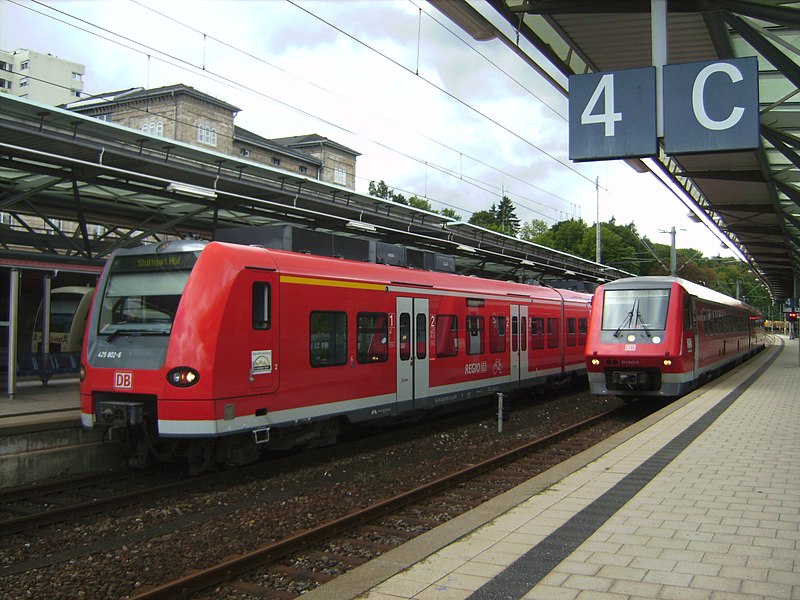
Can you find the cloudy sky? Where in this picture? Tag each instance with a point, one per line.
(432, 112)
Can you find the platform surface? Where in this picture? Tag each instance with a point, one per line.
(700, 501)
(34, 403)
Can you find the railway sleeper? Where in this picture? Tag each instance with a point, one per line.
(345, 559)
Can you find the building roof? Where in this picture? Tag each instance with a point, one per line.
(139, 93)
(312, 139)
(241, 134)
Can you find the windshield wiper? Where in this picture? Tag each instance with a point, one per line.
(629, 318)
(136, 332)
(640, 321)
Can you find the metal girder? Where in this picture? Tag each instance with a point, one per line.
(778, 59)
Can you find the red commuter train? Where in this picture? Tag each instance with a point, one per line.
(663, 336)
(212, 351)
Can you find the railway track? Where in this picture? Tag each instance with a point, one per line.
(289, 567)
(145, 543)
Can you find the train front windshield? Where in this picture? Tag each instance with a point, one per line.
(143, 292)
(642, 310)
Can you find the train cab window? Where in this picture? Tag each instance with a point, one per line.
(537, 333)
(553, 333)
(327, 338)
(688, 322)
(421, 335)
(446, 335)
(583, 331)
(635, 310)
(572, 332)
(372, 336)
(497, 334)
(261, 305)
(404, 336)
(475, 334)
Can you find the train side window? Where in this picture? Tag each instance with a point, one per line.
(327, 338)
(372, 335)
(537, 333)
(553, 333)
(475, 334)
(497, 334)
(523, 333)
(572, 332)
(421, 335)
(514, 334)
(404, 336)
(583, 331)
(261, 305)
(446, 335)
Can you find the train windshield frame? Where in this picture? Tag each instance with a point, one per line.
(142, 294)
(635, 310)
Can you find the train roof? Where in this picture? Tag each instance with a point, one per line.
(663, 282)
(309, 265)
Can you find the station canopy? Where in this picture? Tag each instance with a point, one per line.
(751, 197)
(91, 187)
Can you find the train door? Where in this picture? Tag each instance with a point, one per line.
(690, 327)
(259, 343)
(519, 342)
(413, 349)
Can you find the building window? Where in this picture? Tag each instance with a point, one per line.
(207, 135)
(245, 152)
(76, 76)
(75, 93)
(153, 128)
(303, 170)
(4, 66)
(276, 161)
(5, 84)
(339, 176)
(105, 117)
(24, 65)
(23, 82)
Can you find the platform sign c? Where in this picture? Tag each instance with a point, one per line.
(711, 106)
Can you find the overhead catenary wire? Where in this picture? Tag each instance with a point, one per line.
(168, 58)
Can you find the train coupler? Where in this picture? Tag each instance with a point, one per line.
(119, 414)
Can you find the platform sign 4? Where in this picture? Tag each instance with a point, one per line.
(711, 106)
(612, 114)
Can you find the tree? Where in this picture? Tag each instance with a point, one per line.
(485, 219)
(566, 236)
(450, 214)
(531, 230)
(501, 218)
(506, 217)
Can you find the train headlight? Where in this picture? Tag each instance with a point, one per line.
(667, 362)
(656, 339)
(595, 361)
(82, 372)
(183, 376)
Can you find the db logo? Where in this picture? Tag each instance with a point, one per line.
(123, 380)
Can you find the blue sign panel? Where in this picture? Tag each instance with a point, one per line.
(711, 106)
(612, 114)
